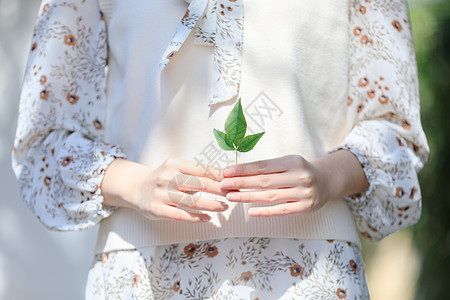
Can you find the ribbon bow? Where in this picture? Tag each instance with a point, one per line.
(219, 24)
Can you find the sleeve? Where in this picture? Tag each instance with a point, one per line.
(383, 104)
(59, 156)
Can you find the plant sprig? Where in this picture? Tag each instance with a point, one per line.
(234, 136)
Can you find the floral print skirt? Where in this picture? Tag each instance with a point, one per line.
(232, 268)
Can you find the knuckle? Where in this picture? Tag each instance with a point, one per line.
(297, 160)
(309, 206)
(161, 181)
(177, 216)
(308, 180)
(272, 197)
(262, 166)
(265, 182)
(284, 211)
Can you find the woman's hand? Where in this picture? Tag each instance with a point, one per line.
(297, 185)
(160, 193)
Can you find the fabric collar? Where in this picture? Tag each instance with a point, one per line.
(218, 23)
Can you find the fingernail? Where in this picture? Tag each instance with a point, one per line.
(233, 197)
(205, 218)
(223, 206)
(254, 213)
(226, 184)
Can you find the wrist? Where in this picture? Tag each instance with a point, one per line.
(342, 174)
(120, 182)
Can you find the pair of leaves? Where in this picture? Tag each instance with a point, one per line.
(234, 136)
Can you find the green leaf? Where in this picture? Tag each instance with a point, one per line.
(235, 125)
(223, 140)
(249, 142)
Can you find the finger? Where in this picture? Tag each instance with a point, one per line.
(192, 184)
(176, 214)
(271, 181)
(196, 202)
(197, 168)
(282, 209)
(274, 165)
(269, 196)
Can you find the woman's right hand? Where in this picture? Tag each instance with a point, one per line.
(161, 193)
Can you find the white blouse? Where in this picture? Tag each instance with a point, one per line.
(60, 153)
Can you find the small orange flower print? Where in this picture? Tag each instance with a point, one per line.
(353, 265)
(357, 31)
(246, 276)
(45, 8)
(97, 124)
(366, 235)
(44, 94)
(406, 125)
(383, 99)
(404, 208)
(365, 40)
(415, 148)
(34, 46)
(43, 79)
(341, 293)
(47, 180)
(171, 54)
(296, 270)
(104, 258)
(66, 161)
(190, 249)
(102, 16)
(372, 228)
(186, 14)
(399, 192)
(72, 98)
(400, 142)
(362, 9)
(134, 280)
(371, 94)
(363, 82)
(360, 108)
(412, 193)
(243, 262)
(350, 101)
(60, 204)
(330, 241)
(397, 25)
(176, 286)
(69, 40)
(211, 251)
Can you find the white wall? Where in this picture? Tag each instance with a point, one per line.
(34, 262)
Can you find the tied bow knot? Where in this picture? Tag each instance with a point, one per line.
(218, 23)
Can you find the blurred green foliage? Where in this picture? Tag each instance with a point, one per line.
(431, 32)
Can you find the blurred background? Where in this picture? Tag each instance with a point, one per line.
(411, 264)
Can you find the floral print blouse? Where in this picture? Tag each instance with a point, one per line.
(59, 156)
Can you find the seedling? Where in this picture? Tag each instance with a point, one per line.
(234, 136)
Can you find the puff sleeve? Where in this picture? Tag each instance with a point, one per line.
(387, 136)
(59, 156)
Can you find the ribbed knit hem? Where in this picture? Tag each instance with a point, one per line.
(128, 229)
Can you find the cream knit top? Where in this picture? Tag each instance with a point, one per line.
(309, 78)
(168, 114)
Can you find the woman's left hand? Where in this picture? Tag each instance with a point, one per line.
(299, 186)
(290, 180)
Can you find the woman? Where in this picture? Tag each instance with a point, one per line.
(332, 83)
